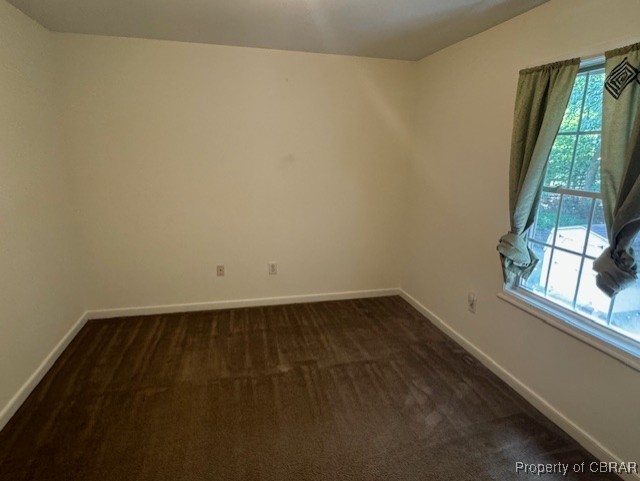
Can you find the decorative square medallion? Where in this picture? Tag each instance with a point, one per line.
(620, 77)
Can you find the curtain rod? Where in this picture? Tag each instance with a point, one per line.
(599, 50)
(585, 60)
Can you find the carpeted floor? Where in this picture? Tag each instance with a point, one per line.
(349, 390)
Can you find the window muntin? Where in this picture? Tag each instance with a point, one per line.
(569, 232)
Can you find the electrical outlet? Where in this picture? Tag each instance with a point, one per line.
(220, 270)
(472, 300)
(273, 268)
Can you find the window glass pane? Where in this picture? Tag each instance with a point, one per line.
(572, 114)
(574, 220)
(538, 278)
(592, 113)
(586, 173)
(626, 312)
(563, 277)
(559, 164)
(591, 301)
(546, 217)
(598, 241)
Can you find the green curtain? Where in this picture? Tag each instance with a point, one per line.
(620, 169)
(541, 100)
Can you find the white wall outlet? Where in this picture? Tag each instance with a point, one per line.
(472, 300)
(220, 270)
(272, 268)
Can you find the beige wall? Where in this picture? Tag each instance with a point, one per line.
(40, 290)
(459, 209)
(189, 155)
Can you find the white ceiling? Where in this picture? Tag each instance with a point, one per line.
(400, 29)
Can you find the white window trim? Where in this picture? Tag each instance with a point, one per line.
(604, 339)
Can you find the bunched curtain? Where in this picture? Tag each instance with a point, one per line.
(541, 99)
(620, 169)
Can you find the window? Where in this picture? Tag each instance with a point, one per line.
(569, 232)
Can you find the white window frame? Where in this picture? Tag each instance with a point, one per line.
(603, 338)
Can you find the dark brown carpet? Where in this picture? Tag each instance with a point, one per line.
(349, 390)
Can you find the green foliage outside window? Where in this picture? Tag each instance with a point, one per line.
(579, 143)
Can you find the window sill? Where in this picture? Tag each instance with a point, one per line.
(607, 341)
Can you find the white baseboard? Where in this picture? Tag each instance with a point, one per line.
(261, 301)
(576, 432)
(23, 393)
